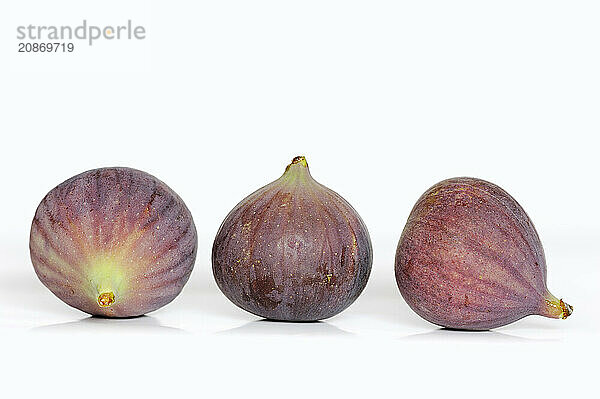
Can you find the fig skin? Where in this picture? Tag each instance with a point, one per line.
(470, 258)
(293, 250)
(113, 242)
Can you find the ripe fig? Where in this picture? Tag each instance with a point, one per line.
(470, 258)
(113, 242)
(294, 250)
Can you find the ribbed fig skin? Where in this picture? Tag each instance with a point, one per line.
(294, 250)
(113, 242)
(470, 258)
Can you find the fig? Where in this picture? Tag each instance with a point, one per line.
(114, 242)
(470, 258)
(293, 250)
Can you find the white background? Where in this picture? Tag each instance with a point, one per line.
(385, 98)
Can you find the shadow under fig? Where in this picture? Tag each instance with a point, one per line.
(96, 324)
(488, 336)
(286, 328)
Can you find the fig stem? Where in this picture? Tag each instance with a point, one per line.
(297, 170)
(299, 160)
(558, 309)
(567, 309)
(106, 299)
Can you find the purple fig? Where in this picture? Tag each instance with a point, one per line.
(470, 258)
(113, 242)
(294, 250)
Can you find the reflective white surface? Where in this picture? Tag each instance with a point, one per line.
(203, 343)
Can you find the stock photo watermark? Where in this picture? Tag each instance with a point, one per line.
(54, 38)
